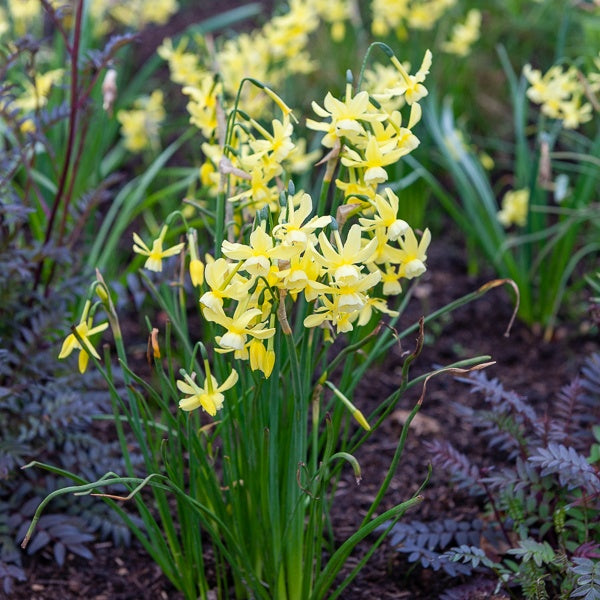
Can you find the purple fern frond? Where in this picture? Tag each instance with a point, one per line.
(572, 468)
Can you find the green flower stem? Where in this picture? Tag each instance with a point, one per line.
(394, 464)
(379, 45)
(322, 204)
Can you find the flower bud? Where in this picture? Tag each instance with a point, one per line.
(197, 272)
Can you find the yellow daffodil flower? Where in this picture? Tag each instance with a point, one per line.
(413, 253)
(294, 227)
(464, 35)
(301, 274)
(238, 326)
(224, 282)
(279, 143)
(261, 358)
(257, 256)
(140, 126)
(157, 254)
(386, 216)
(346, 116)
(203, 104)
(350, 296)
(514, 208)
(183, 66)
(343, 262)
(84, 330)
(209, 397)
(36, 94)
(411, 86)
(376, 157)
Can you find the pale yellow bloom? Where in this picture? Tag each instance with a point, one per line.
(560, 93)
(381, 77)
(515, 206)
(464, 35)
(197, 272)
(343, 263)
(386, 216)
(257, 256)
(85, 331)
(388, 15)
(35, 95)
(209, 397)
(242, 324)
(203, 104)
(573, 112)
(375, 157)
(156, 254)
(335, 12)
(413, 253)
(184, 66)
(411, 86)
(295, 227)
(346, 116)
(301, 274)
(138, 13)
(261, 358)
(350, 296)
(223, 282)
(279, 143)
(140, 126)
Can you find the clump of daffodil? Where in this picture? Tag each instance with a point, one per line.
(277, 50)
(515, 205)
(84, 330)
(561, 93)
(140, 125)
(335, 12)
(156, 254)
(210, 396)
(464, 35)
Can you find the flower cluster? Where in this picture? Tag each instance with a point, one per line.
(244, 293)
(271, 53)
(464, 35)
(366, 129)
(140, 125)
(399, 17)
(135, 14)
(278, 248)
(28, 15)
(561, 91)
(339, 277)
